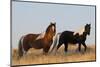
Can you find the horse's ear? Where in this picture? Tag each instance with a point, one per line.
(89, 24)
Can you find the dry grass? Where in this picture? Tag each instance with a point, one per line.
(36, 57)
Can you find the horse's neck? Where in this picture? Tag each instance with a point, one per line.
(84, 34)
(48, 37)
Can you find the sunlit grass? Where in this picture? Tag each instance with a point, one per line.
(36, 56)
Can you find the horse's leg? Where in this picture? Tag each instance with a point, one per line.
(22, 51)
(85, 47)
(25, 47)
(45, 50)
(58, 46)
(66, 47)
(79, 47)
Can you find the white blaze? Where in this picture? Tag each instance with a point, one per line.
(53, 28)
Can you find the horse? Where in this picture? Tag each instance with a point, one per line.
(71, 37)
(36, 41)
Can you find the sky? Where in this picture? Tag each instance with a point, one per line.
(30, 17)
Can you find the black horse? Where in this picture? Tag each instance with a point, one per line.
(69, 37)
(36, 41)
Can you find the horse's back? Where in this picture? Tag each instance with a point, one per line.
(29, 38)
(66, 36)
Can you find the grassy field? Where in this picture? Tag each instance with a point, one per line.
(36, 57)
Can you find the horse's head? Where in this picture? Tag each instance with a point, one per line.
(51, 29)
(87, 28)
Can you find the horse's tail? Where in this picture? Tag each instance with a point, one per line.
(20, 48)
(55, 42)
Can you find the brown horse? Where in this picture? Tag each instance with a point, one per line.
(36, 41)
